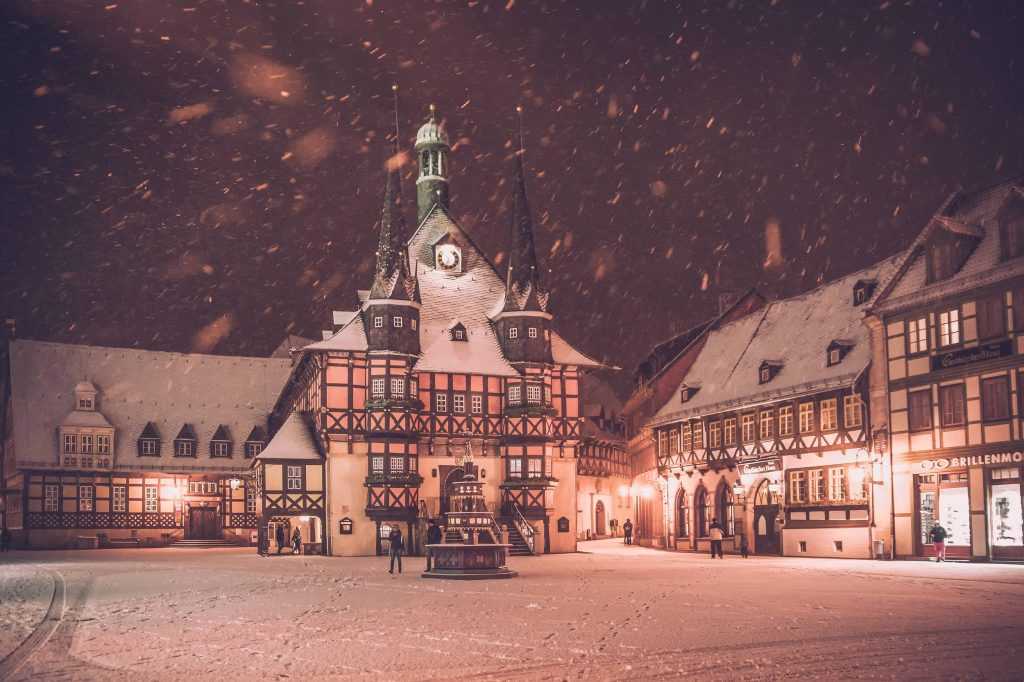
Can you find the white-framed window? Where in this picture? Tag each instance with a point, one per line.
(84, 404)
(51, 497)
(829, 419)
(747, 427)
(476, 404)
(377, 388)
(118, 498)
(513, 332)
(853, 414)
(833, 357)
(730, 431)
(459, 335)
(220, 448)
(459, 403)
(184, 448)
(917, 335)
(663, 443)
(698, 435)
(151, 502)
(767, 424)
(673, 442)
(806, 417)
(253, 448)
(685, 438)
(149, 446)
(412, 323)
(86, 440)
(531, 332)
(816, 485)
(441, 402)
(786, 420)
(515, 394)
(397, 464)
(397, 322)
(949, 327)
(533, 394)
(715, 434)
(250, 499)
(515, 467)
(378, 321)
(535, 467)
(797, 487)
(85, 498)
(837, 484)
(377, 464)
(397, 387)
(103, 445)
(294, 477)
(70, 443)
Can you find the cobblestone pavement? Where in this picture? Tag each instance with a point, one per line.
(610, 612)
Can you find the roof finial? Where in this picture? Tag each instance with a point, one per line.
(394, 89)
(522, 145)
(432, 110)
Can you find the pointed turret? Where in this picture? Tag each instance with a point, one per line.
(392, 310)
(522, 323)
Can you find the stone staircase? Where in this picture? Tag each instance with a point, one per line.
(201, 544)
(515, 538)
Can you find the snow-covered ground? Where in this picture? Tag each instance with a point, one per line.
(612, 613)
(25, 594)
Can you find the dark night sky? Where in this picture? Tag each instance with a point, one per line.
(172, 164)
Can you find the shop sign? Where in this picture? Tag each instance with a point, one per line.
(966, 356)
(1015, 457)
(764, 467)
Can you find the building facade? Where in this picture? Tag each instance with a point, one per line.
(949, 330)
(123, 446)
(445, 361)
(604, 472)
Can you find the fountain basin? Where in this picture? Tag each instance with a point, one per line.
(459, 561)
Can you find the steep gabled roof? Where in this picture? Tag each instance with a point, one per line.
(150, 432)
(186, 433)
(296, 439)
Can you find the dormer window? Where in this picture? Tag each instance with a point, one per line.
(949, 246)
(185, 442)
(149, 441)
(836, 351)
(220, 444)
(85, 403)
(458, 332)
(686, 392)
(768, 370)
(863, 290)
(1011, 226)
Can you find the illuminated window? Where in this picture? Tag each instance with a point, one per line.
(766, 375)
(476, 404)
(806, 417)
(250, 499)
(837, 484)
(86, 443)
(515, 394)
(715, 434)
(412, 323)
(949, 327)
(686, 438)
(397, 465)
(515, 467)
(747, 427)
(828, 415)
(294, 477)
(151, 503)
(533, 394)
(816, 485)
(532, 332)
(797, 487)
(853, 412)
(459, 403)
(441, 402)
(119, 498)
(767, 424)
(397, 387)
(535, 467)
(377, 464)
(917, 335)
(673, 441)
(51, 498)
(377, 388)
(698, 435)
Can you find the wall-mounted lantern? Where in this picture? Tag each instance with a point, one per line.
(775, 488)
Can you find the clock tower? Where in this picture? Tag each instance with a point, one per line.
(432, 155)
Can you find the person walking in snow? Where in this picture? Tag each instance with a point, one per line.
(279, 537)
(717, 533)
(296, 541)
(627, 531)
(433, 538)
(938, 536)
(397, 545)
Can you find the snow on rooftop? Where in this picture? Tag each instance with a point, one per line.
(796, 332)
(294, 440)
(351, 337)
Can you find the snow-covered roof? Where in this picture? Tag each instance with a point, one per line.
(85, 419)
(135, 387)
(563, 353)
(973, 214)
(343, 317)
(290, 342)
(796, 332)
(294, 440)
(351, 337)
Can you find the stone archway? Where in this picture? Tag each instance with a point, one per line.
(766, 510)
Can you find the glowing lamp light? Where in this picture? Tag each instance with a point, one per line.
(857, 475)
(235, 483)
(775, 488)
(304, 519)
(738, 489)
(623, 491)
(647, 492)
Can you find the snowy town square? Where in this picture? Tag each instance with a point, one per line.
(610, 612)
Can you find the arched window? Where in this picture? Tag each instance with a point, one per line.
(764, 497)
(682, 515)
(425, 163)
(724, 509)
(702, 508)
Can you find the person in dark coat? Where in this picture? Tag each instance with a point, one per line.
(279, 536)
(744, 547)
(296, 541)
(395, 551)
(261, 540)
(5, 539)
(716, 532)
(938, 536)
(433, 538)
(627, 531)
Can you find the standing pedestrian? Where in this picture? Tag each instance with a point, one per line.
(938, 536)
(744, 547)
(279, 537)
(397, 545)
(296, 541)
(433, 538)
(5, 539)
(627, 531)
(261, 540)
(717, 533)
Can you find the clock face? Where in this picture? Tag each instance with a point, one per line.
(448, 257)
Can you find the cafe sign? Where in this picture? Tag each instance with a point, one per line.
(764, 467)
(967, 356)
(1015, 457)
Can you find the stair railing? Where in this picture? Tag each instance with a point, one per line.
(524, 528)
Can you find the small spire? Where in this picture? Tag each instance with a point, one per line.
(522, 145)
(394, 90)
(433, 110)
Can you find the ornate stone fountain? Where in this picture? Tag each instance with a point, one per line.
(480, 555)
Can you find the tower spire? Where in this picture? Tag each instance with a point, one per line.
(394, 90)
(391, 278)
(432, 155)
(523, 291)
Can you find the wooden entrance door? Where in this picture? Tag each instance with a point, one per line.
(599, 518)
(766, 537)
(202, 524)
(449, 475)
